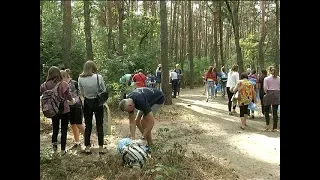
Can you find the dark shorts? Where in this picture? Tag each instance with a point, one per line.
(243, 110)
(154, 108)
(76, 115)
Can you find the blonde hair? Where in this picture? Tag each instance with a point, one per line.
(64, 74)
(273, 71)
(89, 68)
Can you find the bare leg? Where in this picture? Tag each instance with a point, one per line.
(243, 122)
(81, 128)
(75, 131)
(138, 123)
(147, 131)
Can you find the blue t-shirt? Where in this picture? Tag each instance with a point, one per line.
(144, 98)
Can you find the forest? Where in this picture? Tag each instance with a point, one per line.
(123, 36)
(126, 35)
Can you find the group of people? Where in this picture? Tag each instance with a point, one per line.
(245, 88)
(69, 91)
(139, 79)
(147, 100)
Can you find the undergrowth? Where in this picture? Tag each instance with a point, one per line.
(169, 161)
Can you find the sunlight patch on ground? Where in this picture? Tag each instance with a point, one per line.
(212, 104)
(258, 146)
(208, 112)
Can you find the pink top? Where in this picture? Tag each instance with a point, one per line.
(271, 83)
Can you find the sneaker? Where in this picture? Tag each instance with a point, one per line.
(252, 116)
(55, 147)
(87, 150)
(63, 152)
(234, 111)
(75, 146)
(230, 113)
(207, 99)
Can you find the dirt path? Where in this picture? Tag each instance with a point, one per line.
(253, 153)
(206, 128)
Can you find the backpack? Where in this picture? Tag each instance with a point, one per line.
(253, 81)
(224, 77)
(51, 103)
(133, 154)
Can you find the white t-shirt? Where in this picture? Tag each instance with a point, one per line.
(233, 78)
(173, 75)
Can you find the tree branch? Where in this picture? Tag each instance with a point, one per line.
(141, 40)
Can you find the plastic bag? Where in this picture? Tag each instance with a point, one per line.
(253, 107)
(123, 142)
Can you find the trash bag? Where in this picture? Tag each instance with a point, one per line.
(253, 107)
(123, 142)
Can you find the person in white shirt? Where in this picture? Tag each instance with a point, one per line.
(174, 80)
(233, 78)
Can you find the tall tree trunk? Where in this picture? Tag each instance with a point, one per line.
(164, 53)
(120, 6)
(233, 12)
(277, 46)
(206, 34)
(176, 40)
(87, 29)
(110, 23)
(183, 39)
(171, 45)
(215, 37)
(263, 34)
(221, 34)
(190, 42)
(212, 59)
(67, 23)
(102, 17)
(153, 8)
(145, 7)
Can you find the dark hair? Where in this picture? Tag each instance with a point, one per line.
(54, 74)
(223, 69)
(214, 70)
(264, 72)
(253, 71)
(244, 75)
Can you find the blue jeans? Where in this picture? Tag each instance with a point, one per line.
(211, 86)
(223, 88)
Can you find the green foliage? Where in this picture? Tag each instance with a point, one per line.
(199, 66)
(250, 49)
